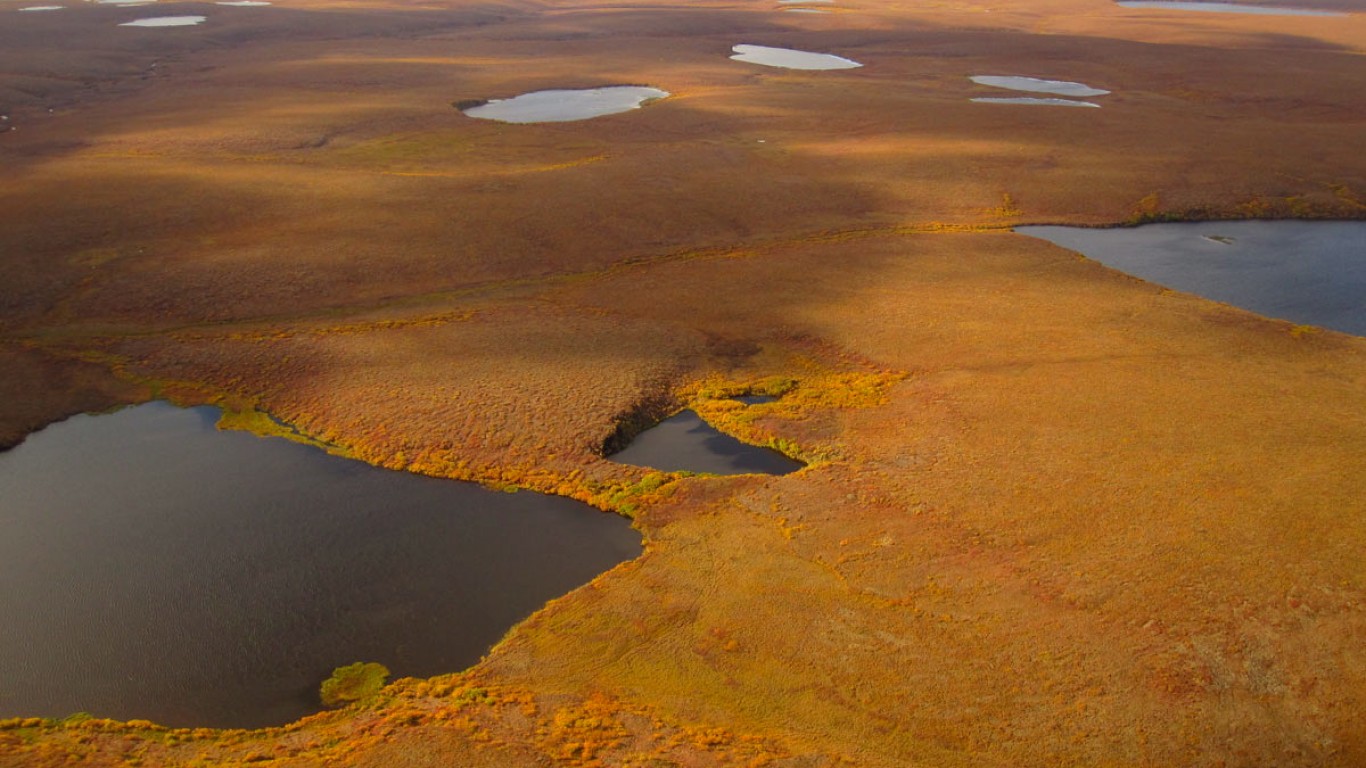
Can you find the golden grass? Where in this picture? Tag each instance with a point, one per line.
(1053, 515)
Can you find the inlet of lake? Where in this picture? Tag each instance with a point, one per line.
(685, 443)
(1261, 10)
(156, 567)
(562, 106)
(1308, 272)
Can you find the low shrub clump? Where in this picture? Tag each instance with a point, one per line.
(353, 682)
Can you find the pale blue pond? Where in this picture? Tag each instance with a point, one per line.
(686, 443)
(560, 106)
(1037, 85)
(787, 58)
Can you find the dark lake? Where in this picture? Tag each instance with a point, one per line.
(686, 443)
(1308, 272)
(154, 567)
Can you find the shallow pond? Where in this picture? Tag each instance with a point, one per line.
(755, 399)
(1223, 8)
(1034, 84)
(165, 21)
(1035, 102)
(156, 567)
(1310, 272)
(790, 59)
(559, 106)
(686, 443)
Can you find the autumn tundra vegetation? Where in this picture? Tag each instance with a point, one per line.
(353, 682)
(1051, 514)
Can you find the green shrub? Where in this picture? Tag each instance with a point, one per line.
(353, 682)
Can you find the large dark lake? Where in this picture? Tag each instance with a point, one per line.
(1310, 272)
(154, 567)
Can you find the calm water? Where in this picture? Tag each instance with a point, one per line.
(1035, 85)
(1311, 272)
(561, 106)
(790, 59)
(687, 443)
(755, 399)
(154, 567)
(1035, 102)
(1262, 10)
(165, 21)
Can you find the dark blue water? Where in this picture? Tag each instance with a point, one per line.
(1308, 272)
(154, 567)
(686, 443)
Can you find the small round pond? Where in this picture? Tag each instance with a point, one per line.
(560, 106)
(1311, 272)
(686, 443)
(155, 567)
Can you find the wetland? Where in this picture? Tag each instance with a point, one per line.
(1055, 514)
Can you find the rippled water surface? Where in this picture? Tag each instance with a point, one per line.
(1310, 272)
(156, 567)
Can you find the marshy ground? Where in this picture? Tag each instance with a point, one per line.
(1052, 515)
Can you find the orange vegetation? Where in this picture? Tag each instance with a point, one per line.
(1053, 515)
